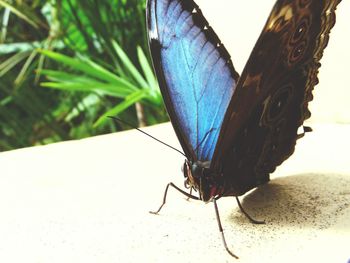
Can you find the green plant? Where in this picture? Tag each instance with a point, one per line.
(91, 77)
(83, 31)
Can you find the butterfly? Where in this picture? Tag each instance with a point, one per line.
(236, 129)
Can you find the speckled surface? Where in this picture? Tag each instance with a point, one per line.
(88, 201)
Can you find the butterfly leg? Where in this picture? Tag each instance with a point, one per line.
(188, 198)
(252, 220)
(221, 229)
(165, 194)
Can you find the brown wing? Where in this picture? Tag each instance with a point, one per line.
(271, 100)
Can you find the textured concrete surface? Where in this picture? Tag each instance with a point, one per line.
(88, 201)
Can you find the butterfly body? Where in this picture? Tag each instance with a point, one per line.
(235, 130)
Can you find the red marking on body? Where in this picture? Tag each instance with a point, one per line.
(213, 191)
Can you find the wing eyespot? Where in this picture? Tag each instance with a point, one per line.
(276, 105)
(279, 102)
(297, 52)
(301, 30)
(298, 41)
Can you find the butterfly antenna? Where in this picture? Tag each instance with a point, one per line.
(149, 135)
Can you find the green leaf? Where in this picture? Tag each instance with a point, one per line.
(18, 13)
(147, 70)
(130, 66)
(87, 102)
(18, 47)
(69, 81)
(129, 101)
(89, 68)
(102, 89)
(25, 69)
(11, 62)
(5, 101)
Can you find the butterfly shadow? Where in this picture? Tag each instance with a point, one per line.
(314, 200)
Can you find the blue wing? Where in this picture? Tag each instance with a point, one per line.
(194, 71)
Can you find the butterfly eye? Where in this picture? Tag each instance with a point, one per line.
(196, 170)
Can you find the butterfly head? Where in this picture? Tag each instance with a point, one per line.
(201, 178)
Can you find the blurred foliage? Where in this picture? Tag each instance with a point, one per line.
(66, 64)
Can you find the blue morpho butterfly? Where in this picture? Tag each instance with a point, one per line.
(235, 130)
